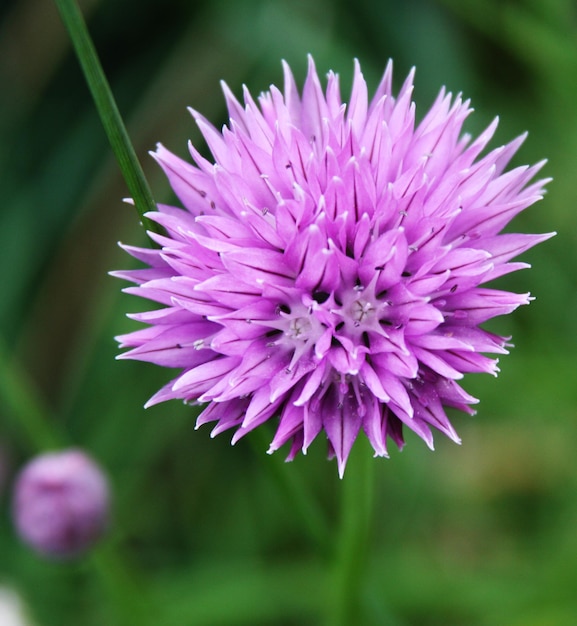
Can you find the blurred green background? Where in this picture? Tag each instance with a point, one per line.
(483, 534)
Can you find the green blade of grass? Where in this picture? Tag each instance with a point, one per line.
(108, 111)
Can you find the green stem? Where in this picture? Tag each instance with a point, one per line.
(131, 603)
(352, 543)
(295, 492)
(108, 111)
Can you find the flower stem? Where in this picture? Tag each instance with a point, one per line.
(295, 492)
(352, 542)
(108, 111)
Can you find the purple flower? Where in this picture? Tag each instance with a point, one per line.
(326, 270)
(61, 503)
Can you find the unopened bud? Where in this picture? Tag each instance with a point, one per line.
(61, 503)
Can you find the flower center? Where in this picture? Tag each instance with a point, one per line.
(299, 328)
(360, 311)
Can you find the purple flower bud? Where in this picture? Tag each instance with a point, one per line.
(61, 503)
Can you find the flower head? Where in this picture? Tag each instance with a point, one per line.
(326, 269)
(61, 503)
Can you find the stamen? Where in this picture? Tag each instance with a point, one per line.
(361, 310)
(299, 328)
